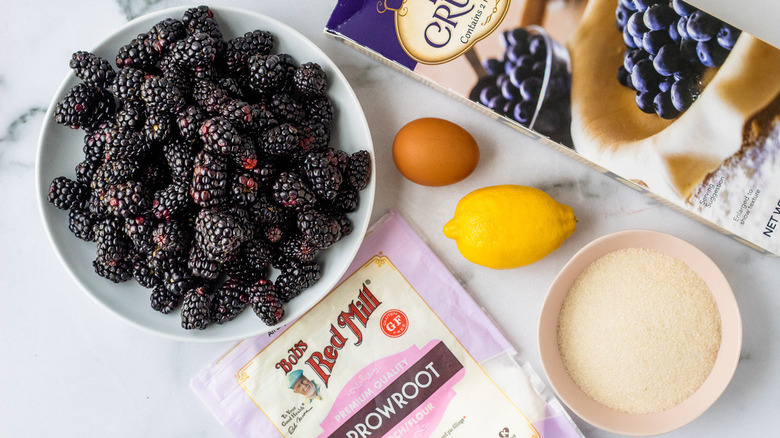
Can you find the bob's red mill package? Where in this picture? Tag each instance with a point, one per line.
(664, 96)
(397, 349)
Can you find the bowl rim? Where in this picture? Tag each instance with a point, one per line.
(366, 196)
(641, 424)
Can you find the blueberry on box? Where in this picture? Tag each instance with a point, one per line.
(654, 40)
(644, 77)
(645, 102)
(636, 25)
(702, 26)
(682, 8)
(659, 17)
(664, 107)
(727, 36)
(668, 60)
(710, 53)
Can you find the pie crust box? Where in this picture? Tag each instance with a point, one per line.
(398, 349)
(717, 161)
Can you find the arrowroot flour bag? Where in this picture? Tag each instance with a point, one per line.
(397, 349)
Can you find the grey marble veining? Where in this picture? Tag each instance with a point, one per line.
(69, 368)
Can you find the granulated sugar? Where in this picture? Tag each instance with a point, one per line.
(639, 331)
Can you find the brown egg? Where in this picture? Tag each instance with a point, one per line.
(434, 152)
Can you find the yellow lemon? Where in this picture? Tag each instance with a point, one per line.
(509, 226)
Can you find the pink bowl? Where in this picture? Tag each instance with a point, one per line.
(641, 424)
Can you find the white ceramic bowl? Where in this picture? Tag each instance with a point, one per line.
(60, 149)
(641, 424)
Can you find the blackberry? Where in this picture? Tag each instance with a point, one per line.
(127, 84)
(289, 69)
(209, 179)
(95, 145)
(202, 266)
(252, 260)
(171, 239)
(281, 141)
(358, 170)
(346, 225)
(267, 74)
(93, 69)
(319, 110)
(310, 80)
(177, 279)
(196, 52)
(219, 232)
(201, 19)
(229, 300)
(240, 49)
(287, 108)
(130, 117)
(209, 96)
(241, 114)
(195, 308)
(167, 32)
(127, 199)
(295, 278)
(322, 171)
(178, 76)
(84, 106)
(243, 189)
(85, 171)
(157, 128)
(113, 245)
(180, 158)
(346, 201)
(321, 230)
(275, 233)
(314, 137)
(124, 144)
(163, 300)
(139, 230)
(117, 272)
(138, 53)
(262, 121)
(171, 202)
(342, 158)
(207, 73)
(300, 249)
(64, 193)
(113, 172)
(144, 275)
(161, 96)
(81, 222)
(220, 136)
(231, 86)
(266, 212)
(265, 302)
(189, 121)
(290, 191)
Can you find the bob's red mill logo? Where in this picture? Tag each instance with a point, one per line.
(437, 31)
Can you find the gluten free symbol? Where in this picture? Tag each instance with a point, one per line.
(394, 323)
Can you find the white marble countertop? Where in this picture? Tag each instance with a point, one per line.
(68, 368)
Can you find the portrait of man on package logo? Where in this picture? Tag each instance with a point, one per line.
(300, 384)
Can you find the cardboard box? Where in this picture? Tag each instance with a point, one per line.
(672, 101)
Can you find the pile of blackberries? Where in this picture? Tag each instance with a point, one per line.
(207, 161)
